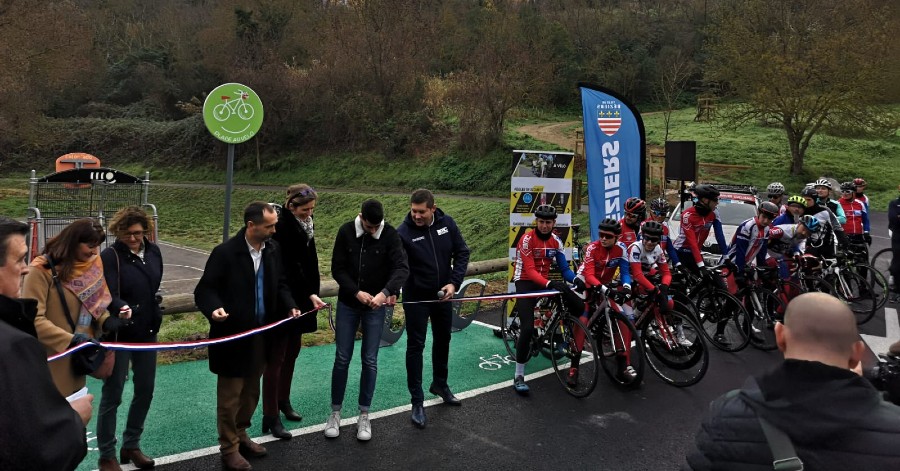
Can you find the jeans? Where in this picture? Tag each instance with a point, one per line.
(417, 315)
(345, 327)
(144, 379)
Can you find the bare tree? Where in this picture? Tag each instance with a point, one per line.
(675, 68)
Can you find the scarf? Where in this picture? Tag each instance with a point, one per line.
(307, 227)
(87, 284)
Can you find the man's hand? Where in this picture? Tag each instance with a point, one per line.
(83, 407)
(868, 238)
(219, 315)
(378, 300)
(449, 290)
(391, 300)
(316, 301)
(364, 298)
(579, 284)
(626, 290)
(295, 313)
(560, 286)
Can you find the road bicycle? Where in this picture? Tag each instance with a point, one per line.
(615, 336)
(881, 261)
(764, 306)
(856, 260)
(562, 337)
(704, 295)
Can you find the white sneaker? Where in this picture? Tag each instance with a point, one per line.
(333, 426)
(363, 427)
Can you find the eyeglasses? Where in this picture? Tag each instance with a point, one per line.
(652, 240)
(659, 213)
(606, 235)
(632, 215)
(774, 197)
(136, 234)
(847, 191)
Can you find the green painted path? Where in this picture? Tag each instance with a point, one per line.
(182, 417)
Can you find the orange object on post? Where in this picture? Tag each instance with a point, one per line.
(76, 160)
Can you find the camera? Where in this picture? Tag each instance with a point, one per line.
(885, 376)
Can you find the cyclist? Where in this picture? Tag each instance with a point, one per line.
(857, 225)
(789, 241)
(659, 209)
(860, 184)
(795, 206)
(823, 190)
(647, 258)
(750, 241)
(775, 193)
(635, 213)
(824, 242)
(602, 258)
(696, 222)
(536, 252)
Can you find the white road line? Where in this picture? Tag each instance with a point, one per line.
(892, 332)
(181, 266)
(183, 279)
(189, 455)
(182, 247)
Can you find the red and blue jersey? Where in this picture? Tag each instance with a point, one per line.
(695, 229)
(749, 242)
(600, 264)
(857, 217)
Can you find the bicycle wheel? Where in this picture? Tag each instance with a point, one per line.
(876, 281)
(574, 356)
(619, 347)
(679, 361)
(882, 262)
(509, 328)
(765, 307)
(853, 288)
(817, 284)
(723, 320)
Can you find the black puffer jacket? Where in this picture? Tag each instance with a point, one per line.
(835, 419)
(362, 262)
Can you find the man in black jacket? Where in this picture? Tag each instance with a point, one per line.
(39, 429)
(894, 227)
(370, 267)
(242, 288)
(438, 257)
(833, 417)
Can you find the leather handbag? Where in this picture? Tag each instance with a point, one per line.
(96, 360)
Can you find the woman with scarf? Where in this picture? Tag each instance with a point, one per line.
(72, 255)
(294, 234)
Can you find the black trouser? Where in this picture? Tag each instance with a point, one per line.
(525, 309)
(417, 315)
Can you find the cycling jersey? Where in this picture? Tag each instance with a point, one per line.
(857, 217)
(600, 264)
(536, 256)
(644, 261)
(864, 198)
(628, 235)
(749, 241)
(835, 208)
(783, 240)
(785, 218)
(695, 229)
(667, 244)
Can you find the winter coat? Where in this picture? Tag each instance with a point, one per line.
(301, 267)
(363, 262)
(135, 283)
(437, 253)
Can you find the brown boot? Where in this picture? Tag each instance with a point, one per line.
(235, 462)
(251, 449)
(109, 464)
(135, 455)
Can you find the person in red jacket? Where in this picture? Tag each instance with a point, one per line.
(696, 222)
(635, 213)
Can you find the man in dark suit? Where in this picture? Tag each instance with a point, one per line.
(242, 288)
(38, 428)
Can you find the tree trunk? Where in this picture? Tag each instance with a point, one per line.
(796, 154)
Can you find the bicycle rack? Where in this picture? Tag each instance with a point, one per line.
(459, 322)
(388, 336)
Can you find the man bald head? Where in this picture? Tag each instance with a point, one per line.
(820, 327)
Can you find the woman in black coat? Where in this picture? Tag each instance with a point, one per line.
(295, 234)
(133, 270)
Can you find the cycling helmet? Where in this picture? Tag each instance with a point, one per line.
(848, 186)
(652, 229)
(545, 211)
(809, 192)
(635, 205)
(823, 182)
(775, 188)
(859, 181)
(811, 223)
(706, 191)
(768, 208)
(610, 225)
(659, 205)
(796, 199)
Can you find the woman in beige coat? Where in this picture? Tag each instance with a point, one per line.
(74, 257)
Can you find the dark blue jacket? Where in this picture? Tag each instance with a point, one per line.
(135, 283)
(437, 255)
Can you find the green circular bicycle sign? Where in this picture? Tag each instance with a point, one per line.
(233, 113)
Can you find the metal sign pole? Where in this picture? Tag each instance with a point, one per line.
(229, 176)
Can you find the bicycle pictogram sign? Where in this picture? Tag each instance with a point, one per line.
(233, 113)
(231, 106)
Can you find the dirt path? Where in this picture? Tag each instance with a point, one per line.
(561, 134)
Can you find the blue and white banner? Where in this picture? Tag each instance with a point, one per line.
(615, 152)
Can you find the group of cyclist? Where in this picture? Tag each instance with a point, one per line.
(640, 246)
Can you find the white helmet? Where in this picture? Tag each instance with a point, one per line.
(823, 182)
(775, 188)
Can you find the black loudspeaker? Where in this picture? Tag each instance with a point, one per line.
(681, 160)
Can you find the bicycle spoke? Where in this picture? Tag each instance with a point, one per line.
(574, 355)
(675, 349)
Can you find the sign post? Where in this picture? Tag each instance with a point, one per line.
(233, 113)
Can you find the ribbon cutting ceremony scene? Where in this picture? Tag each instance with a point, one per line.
(450, 235)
